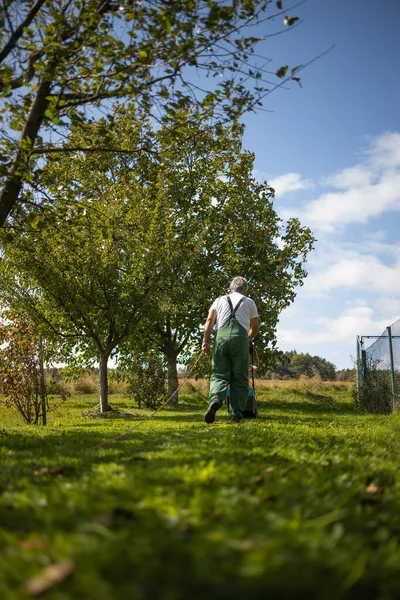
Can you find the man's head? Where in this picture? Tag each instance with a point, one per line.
(239, 284)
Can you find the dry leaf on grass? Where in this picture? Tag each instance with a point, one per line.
(49, 577)
(373, 489)
(33, 544)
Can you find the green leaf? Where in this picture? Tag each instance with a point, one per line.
(282, 71)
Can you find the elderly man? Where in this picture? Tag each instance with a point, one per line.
(236, 320)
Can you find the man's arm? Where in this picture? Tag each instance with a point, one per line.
(211, 318)
(254, 327)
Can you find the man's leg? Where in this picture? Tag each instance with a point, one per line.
(220, 378)
(240, 374)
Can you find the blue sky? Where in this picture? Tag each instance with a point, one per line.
(331, 149)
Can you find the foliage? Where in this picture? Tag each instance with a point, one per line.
(85, 263)
(346, 375)
(374, 394)
(125, 242)
(303, 502)
(296, 364)
(19, 369)
(304, 364)
(220, 222)
(59, 57)
(145, 378)
(86, 385)
(55, 386)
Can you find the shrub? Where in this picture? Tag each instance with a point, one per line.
(87, 384)
(57, 387)
(21, 361)
(146, 381)
(374, 394)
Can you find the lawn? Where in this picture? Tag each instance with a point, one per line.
(303, 502)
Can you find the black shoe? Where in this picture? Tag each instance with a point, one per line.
(233, 419)
(213, 406)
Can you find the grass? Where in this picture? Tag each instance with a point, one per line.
(303, 502)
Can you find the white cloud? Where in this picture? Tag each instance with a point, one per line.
(344, 328)
(355, 271)
(289, 182)
(376, 236)
(384, 152)
(353, 286)
(389, 305)
(361, 192)
(355, 205)
(351, 177)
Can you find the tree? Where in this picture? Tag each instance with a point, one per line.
(86, 266)
(219, 222)
(118, 228)
(59, 57)
(305, 364)
(346, 375)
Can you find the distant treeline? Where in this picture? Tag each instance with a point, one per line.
(296, 364)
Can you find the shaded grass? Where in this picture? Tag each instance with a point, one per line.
(300, 503)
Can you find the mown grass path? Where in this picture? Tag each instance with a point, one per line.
(303, 502)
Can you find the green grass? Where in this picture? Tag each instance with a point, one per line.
(303, 502)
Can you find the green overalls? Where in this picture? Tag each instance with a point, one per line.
(230, 364)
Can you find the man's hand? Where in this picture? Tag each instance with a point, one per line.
(206, 348)
(254, 327)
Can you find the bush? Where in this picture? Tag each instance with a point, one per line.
(21, 364)
(146, 381)
(57, 387)
(375, 393)
(87, 384)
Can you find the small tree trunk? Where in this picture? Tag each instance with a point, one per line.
(172, 375)
(42, 382)
(103, 374)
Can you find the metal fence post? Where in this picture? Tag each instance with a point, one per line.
(392, 379)
(358, 365)
(364, 366)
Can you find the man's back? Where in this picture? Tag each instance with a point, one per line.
(246, 311)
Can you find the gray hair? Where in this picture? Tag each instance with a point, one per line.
(239, 284)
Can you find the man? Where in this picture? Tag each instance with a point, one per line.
(236, 320)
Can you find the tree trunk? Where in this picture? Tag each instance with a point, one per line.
(172, 375)
(103, 374)
(15, 178)
(42, 382)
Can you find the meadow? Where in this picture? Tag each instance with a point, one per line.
(303, 502)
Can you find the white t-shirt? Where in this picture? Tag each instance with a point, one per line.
(246, 311)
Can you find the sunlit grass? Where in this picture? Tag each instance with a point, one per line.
(302, 502)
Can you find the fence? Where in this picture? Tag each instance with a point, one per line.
(378, 370)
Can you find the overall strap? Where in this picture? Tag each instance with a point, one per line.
(233, 310)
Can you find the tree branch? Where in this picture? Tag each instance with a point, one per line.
(15, 35)
(44, 150)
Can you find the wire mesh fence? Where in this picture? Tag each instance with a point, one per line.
(378, 370)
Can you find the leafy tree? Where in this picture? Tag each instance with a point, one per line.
(219, 222)
(122, 227)
(346, 375)
(58, 57)
(85, 267)
(305, 364)
(326, 369)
